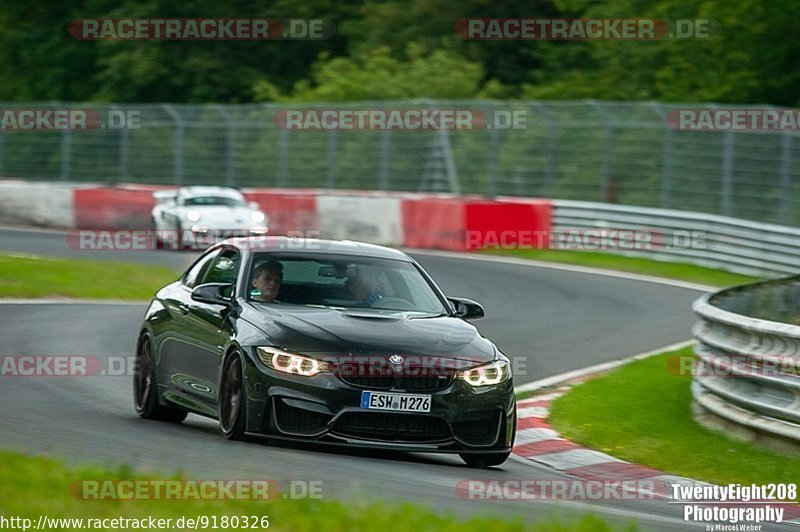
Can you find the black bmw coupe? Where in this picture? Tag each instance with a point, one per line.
(325, 341)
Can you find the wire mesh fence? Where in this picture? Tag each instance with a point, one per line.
(614, 152)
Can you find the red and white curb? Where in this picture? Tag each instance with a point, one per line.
(538, 442)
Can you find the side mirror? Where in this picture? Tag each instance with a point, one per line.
(467, 308)
(214, 293)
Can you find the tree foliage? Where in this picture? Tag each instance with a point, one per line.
(387, 49)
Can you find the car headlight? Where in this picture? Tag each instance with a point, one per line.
(193, 216)
(487, 374)
(291, 363)
(257, 217)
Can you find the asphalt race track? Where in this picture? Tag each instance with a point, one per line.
(556, 320)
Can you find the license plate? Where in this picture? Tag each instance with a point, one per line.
(398, 402)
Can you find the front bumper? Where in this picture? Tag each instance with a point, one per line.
(325, 409)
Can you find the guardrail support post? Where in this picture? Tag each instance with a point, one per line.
(450, 165)
(606, 192)
(230, 145)
(66, 151)
(333, 147)
(550, 150)
(383, 172)
(727, 174)
(180, 126)
(2, 152)
(283, 161)
(122, 173)
(666, 158)
(494, 161)
(786, 161)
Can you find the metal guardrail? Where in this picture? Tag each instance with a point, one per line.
(705, 239)
(747, 367)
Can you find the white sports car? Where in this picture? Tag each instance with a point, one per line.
(197, 217)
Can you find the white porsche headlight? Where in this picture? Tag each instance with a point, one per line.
(193, 216)
(257, 217)
(291, 363)
(487, 374)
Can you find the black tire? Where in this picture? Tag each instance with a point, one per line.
(145, 396)
(485, 460)
(232, 403)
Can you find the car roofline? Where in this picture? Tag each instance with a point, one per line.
(314, 246)
(208, 190)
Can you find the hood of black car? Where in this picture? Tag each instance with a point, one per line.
(326, 330)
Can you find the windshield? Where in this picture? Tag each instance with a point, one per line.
(342, 281)
(214, 200)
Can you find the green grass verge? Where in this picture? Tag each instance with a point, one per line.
(28, 276)
(641, 413)
(34, 486)
(610, 261)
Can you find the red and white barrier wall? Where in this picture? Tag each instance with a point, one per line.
(38, 204)
(390, 218)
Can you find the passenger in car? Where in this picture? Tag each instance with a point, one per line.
(267, 280)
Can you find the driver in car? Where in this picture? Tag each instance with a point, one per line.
(365, 287)
(267, 281)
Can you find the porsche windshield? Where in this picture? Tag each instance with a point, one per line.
(342, 281)
(223, 201)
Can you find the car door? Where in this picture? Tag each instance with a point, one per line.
(180, 340)
(211, 331)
